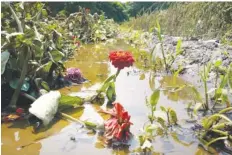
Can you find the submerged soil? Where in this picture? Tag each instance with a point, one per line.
(133, 85)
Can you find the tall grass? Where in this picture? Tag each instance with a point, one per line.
(199, 19)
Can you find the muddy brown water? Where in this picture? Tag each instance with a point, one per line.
(133, 85)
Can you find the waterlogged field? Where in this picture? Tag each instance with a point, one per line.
(134, 85)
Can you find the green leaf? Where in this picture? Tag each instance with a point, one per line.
(56, 55)
(150, 128)
(173, 116)
(158, 30)
(197, 107)
(230, 76)
(14, 34)
(25, 86)
(106, 83)
(47, 66)
(151, 81)
(45, 85)
(90, 124)
(197, 95)
(154, 97)
(163, 108)
(176, 138)
(178, 47)
(142, 77)
(224, 80)
(141, 139)
(215, 116)
(161, 121)
(215, 140)
(225, 110)
(110, 93)
(218, 63)
(44, 13)
(69, 101)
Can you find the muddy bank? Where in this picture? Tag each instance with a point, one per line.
(195, 54)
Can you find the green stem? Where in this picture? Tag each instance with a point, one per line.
(117, 73)
(206, 90)
(165, 63)
(168, 118)
(20, 28)
(225, 110)
(216, 79)
(21, 80)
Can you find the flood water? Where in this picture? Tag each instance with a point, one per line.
(133, 85)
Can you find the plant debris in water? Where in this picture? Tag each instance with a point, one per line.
(117, 128)
(74, 75)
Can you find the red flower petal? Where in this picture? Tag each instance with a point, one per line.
(20, 111)
(121, 59)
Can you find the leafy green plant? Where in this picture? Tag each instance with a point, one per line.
(154, 98)
(204, 77)
(168, 57)
(171, 115)
(37, 47)
(222, 90)
(215, 128)
(161, 42)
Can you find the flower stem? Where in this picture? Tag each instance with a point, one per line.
(116, 75)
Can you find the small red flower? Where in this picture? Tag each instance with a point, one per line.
(19, 111)
(78, 43)
(87, 10)
(121, 59)
(74, 37)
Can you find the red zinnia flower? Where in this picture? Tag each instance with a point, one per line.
(118, 126)
(121, 59)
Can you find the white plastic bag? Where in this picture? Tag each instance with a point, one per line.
(46, 106)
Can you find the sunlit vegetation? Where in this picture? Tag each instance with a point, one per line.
(108, 45)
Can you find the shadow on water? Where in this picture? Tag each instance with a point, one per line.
(133, 85)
